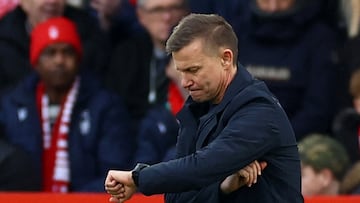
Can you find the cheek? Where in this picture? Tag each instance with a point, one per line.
(71, 63)
(309, 185)
(356, 102)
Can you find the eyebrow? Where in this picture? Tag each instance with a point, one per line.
(188, 69)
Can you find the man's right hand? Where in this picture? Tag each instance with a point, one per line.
(245, 176)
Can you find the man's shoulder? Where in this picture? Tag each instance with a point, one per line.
(20, 92)
(12, 24)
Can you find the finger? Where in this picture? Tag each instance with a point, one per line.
(115, 190)
(250, 175)
(258, 167)
(113, 199)
(119, 196)
(117, 186)
(254, 172)
(123, 199)
(111, 183)
(263, 165)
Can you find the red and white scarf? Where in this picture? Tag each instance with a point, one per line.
(56, 166)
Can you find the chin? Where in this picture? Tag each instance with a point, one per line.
(198, 99)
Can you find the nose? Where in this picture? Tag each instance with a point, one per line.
(273, 6)
(166, 15)
(186, 82)
(59, 57)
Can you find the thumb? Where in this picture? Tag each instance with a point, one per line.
(263, 165)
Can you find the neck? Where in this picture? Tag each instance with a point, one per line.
(56, 96)
(332, 189)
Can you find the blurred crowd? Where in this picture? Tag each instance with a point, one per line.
(87, 86)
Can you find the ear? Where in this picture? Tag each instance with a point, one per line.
(227, 57)
(326, 177)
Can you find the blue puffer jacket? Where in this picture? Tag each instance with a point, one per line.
(99, 137)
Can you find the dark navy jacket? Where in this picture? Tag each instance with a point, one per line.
(99, 137)
(293, 55)
(248, 124)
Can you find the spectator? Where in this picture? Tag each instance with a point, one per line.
(348, 51)
(115, 17)
(142, 73)
(324, 163)
(74, 130)
(288, 48)
(15, 28)
(347, 122)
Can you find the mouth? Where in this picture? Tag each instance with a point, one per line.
(192, 92)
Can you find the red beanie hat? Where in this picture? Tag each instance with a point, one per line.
(53, 30)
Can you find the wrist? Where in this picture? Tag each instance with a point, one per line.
(135, 172)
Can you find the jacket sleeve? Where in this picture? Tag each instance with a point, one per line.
(247, 136)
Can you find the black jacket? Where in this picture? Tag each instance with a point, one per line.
(129, 74)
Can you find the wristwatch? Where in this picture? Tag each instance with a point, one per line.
(136, 170)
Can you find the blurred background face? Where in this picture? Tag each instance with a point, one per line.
(106, 7)
(160, 16)
(311, 181)
(272, 6)
(356, 102)
(58, 65)
(40, 10)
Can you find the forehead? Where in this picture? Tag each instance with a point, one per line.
(190, 55)
(39, 2)
(155, 3)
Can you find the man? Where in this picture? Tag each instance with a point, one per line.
(324, 162)
(142, 73)
(73, 130)
(15, 29)
(288, 46)
(144, 83)
(229, 120)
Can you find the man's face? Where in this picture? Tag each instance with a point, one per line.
(312, 182)
(58, 65)
(203, 74)
(160, 16)
(41, 10)
(272, 6)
